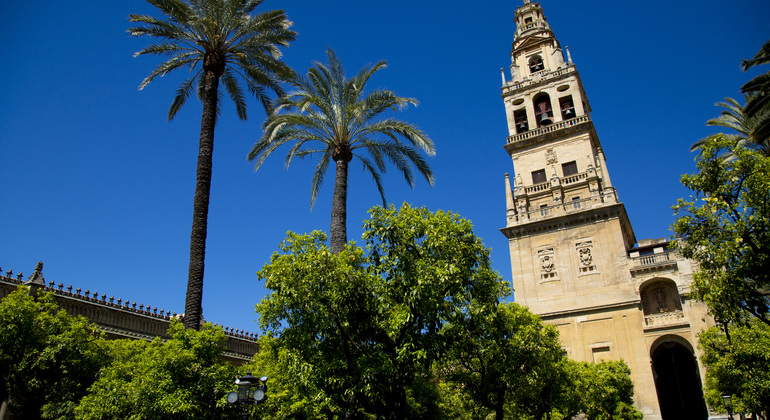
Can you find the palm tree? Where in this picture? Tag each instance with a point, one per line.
(330, 116)
(214, 39)
(734, 117)
(757, 92)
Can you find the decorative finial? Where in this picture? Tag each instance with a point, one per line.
(37, 275)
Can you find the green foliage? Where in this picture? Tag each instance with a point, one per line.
(757, 92)
(602, 391)
(333, 118)
(739, 365)
(505, 359)
(724, 227)
(221, 36)
(369, 322)
(336, 113)
(182, 378)
(47, 358)
(291, 389)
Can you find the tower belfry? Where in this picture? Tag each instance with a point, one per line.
(575, 260)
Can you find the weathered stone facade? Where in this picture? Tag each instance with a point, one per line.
(574, 257)
(123, 319)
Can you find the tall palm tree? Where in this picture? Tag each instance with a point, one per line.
(757, 91)
(330, 116)
(214, 39)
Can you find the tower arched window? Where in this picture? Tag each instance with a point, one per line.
(543, 111)
(536, 64)
(567, 107)
(520, 119)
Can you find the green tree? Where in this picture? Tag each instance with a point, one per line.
(369, 321)
(724, 228)
(738, 364)
(214, 39)
(757, 91)
(331, 116)
(291, 390)
(506, 357)
(601, 391)
(47, 358)
(182, 378)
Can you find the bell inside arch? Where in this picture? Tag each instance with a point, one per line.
(545, 119)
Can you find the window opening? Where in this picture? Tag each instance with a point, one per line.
(543, 111)
(538, 177)
(528, 20)
(569, 168)
(520, 118)
(536, 64)
(567, 107)
(575, 203)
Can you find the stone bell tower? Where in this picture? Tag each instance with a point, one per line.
(574, 257)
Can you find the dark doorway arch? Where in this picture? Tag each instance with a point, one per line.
(677, 380)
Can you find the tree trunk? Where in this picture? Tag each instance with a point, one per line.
(193, 310)
(338, 229)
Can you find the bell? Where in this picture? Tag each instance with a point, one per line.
(545, 119)
(568, 112)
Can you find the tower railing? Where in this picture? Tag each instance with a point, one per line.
(652, 259)
(555, 210)
(538, 77)
(531, 26)
(548, 129)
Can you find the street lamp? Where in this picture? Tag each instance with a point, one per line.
(245, 396)
(727, 400)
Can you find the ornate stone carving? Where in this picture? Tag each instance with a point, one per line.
(550, 156)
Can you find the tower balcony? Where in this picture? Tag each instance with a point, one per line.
(539, 77)
(552, 211)
(548, 129)
(536, 26)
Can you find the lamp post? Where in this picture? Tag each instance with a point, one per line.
(245, 396)
(727, 400)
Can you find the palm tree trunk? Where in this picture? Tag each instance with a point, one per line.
(338, 228)
(193, 308)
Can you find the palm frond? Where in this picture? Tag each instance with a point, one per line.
(182, 93)
(236, 93)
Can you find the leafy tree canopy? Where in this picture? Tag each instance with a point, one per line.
(738, 364)
(724, 228)
(369, 321)
(47, 357)
(506, 358)
(182, 378)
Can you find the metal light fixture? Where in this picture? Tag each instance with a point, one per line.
(727, 400)
(245, 396)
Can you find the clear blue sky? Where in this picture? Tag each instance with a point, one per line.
(97, 184)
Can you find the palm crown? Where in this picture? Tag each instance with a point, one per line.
(221, 36)
(330, 116)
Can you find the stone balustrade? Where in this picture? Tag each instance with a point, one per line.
(538, 77)
(548, 129)
(664, 318)
(652, 259)
(552, 211)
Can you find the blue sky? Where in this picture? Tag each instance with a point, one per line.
(98, 185)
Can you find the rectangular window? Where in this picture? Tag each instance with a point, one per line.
(544, 209)
(575, 203)
(569, 168)
(538, 177)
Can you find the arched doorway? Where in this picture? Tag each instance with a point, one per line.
(677, 380)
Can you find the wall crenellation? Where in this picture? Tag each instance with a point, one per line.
(103, 301)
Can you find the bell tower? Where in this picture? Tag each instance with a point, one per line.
(574, 258)
(564, 219)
